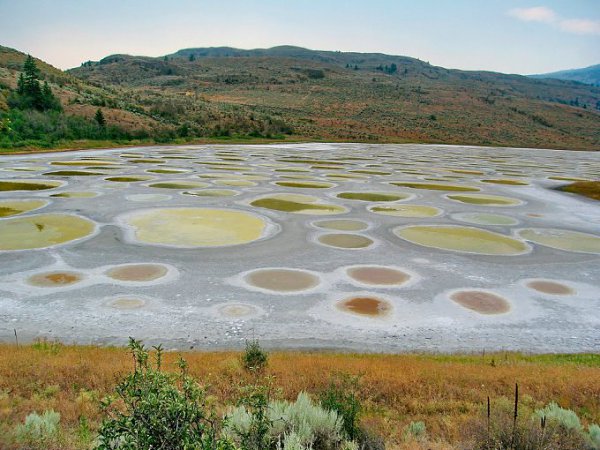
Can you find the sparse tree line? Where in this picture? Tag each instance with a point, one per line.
(393, 68)
(34, 116)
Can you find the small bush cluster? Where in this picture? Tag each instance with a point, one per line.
(415, 431)
(566, 419)
(45, 129)
(299, 425)
(549, 428)
(39, 431)
(156, 409)
(254, 359)
(341, 397)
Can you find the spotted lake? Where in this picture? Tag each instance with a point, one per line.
(349, 246)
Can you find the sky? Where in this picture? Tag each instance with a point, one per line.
(510, 36)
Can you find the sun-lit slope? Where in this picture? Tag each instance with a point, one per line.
(360, 96)
(76, 96)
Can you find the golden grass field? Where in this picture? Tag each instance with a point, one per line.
(447, 392)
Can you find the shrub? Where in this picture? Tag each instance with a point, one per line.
(315, 74)
(594, 433)
(340, 396)
(529, 432)
(563, 417)
(415, 430)
(158, 410)
(254, 359)
(39, 431)
(249, 424)
(47, 128)
(300, 425)
(47, 346)
(567, 419)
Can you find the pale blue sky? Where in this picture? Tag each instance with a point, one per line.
(503, 35)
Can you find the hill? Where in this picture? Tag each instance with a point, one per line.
(317, 95)
(587, 75)
(132, 116)
(361, 96)
(77, 97)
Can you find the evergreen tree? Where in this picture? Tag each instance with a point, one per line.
(32, 73)
(99, 118)
(192, 57)
(48, 100)
(32, 95)
(21, 84)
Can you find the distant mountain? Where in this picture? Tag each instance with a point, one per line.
(587, 75)
(292, 52)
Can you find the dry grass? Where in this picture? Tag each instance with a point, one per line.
(443, 391)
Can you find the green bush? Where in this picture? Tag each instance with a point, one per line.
(39, 431)
(249, 424)
(254, 358)
(159, 410)
(46, 129)
(340, 396)
(415, 430)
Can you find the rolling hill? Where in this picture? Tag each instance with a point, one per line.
(323, 95)
(77, 97)
(358, 96)
(137, 115)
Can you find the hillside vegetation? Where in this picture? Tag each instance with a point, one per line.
(126, 119)
(294, 93)
(356, 96)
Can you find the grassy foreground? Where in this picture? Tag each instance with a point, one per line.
(447, 392)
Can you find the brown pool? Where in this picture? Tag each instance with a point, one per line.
(365, 306)
(481, 302)
(378, 275)
(137, 272)
(282, 280)
(55, 279)
(550, 287)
